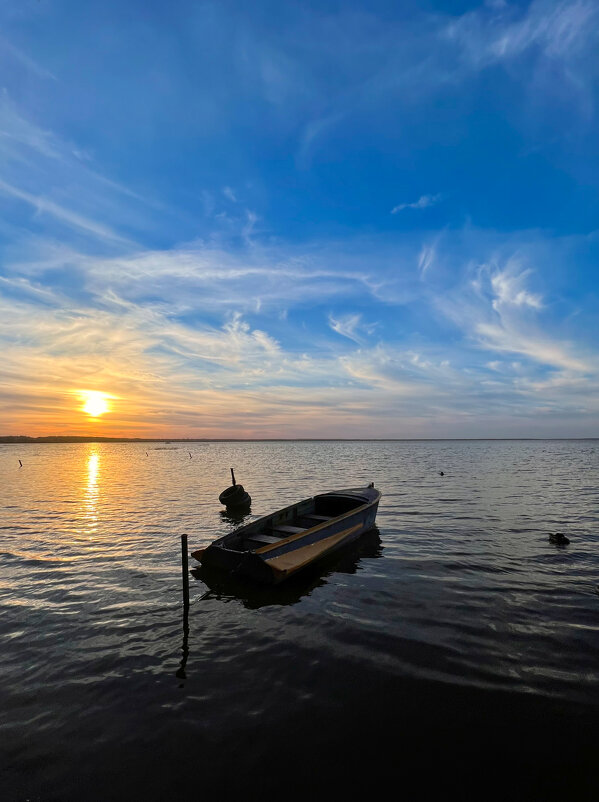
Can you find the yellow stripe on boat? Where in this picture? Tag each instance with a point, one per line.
(296, 559)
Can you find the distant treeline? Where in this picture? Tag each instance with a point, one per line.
(59, 438)
(69, 438)
(21, 438)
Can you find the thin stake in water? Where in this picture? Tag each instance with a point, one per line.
(185, 576)
(185, 572)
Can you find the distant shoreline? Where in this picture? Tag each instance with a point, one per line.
(25, 440)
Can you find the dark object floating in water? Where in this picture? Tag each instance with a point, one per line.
(559, 538)
(441, 473)
(20, 464)
(278, 545)
(235, 496)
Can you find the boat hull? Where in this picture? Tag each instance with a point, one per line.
(274, 562)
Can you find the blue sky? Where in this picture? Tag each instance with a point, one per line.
(301, 219)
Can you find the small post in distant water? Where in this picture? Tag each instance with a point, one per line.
(233, 477)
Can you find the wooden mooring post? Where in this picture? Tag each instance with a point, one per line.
(185, 572)
(185, 577)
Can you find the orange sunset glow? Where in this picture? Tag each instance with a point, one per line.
(95, 403)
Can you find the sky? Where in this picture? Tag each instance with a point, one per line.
(312, 219)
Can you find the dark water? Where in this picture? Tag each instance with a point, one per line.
(455, 648)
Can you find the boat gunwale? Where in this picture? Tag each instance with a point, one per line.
(241, 530)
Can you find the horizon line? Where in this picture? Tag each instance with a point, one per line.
(24, 439)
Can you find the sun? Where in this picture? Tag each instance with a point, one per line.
(95, 403)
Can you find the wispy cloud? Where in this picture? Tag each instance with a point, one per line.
(509, 338)
(20, 138)
(203, 278)
(426, 258)
(508, 287)
(352, 327)
(558, 30)
(46, 206)
(24, 60)
(423, 202)
(446, 51)
(497, 311)
(48, 173)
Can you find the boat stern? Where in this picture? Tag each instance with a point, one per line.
(241, 563)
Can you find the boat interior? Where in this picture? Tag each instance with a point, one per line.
(292, 521)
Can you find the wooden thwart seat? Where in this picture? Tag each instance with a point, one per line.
(288, 530)
(266, 539)
(310, 521)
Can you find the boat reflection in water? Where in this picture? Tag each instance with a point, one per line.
(235, 517)
(227, 587)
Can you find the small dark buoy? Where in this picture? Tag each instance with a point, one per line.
(559, 538)
(235, 496)
(441, 473)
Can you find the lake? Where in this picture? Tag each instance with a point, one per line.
(454, 647)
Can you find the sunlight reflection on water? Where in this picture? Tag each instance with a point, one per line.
(91, 495)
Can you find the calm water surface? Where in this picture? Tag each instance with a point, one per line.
(454, 646)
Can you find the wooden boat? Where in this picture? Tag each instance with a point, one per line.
(280, 544)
